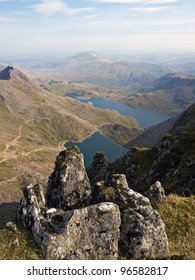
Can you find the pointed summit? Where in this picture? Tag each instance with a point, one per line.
(11, 73)
(91, 57)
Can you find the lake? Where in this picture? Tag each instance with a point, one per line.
(145, 117)
(98, 142)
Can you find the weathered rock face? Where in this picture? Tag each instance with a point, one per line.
(142, 232)
(77, 234)
(156, 193)
(86, 233)
(99, 167)
(68, 186)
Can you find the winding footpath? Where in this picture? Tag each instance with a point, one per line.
(13, 143)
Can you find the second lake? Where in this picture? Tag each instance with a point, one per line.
(145, 117)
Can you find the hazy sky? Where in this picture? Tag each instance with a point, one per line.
(44, 26)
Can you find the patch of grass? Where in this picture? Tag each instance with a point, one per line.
(178, 215)
(27, 249)
(142, 156)
(99, 154)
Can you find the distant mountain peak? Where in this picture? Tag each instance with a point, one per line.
(11, 73)
(94, 55)
(173, 80)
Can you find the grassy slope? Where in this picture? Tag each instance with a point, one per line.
(178, 215)
(27, 249)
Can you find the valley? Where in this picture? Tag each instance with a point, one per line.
(140, 115)
(34, 124)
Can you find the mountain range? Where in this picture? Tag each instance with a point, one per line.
(95, 68)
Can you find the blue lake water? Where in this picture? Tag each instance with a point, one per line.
(98, 142)
(145, 117)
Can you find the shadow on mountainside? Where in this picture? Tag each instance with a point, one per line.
(7, 213)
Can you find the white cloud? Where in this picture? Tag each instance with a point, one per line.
(151, 9)
(51, 7)
(7, 19)
(96, 22)
(90, 16)
(177, 21)
(148, 2)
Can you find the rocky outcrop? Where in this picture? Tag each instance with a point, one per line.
(156, 192)
(68, 186)
(11, 73)
(99, 167)
(77, 234)
(80, 222)
(5, 74)
(142, 232)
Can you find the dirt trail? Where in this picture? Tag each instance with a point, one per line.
(13, 143)
(8, 154)
(11, 150)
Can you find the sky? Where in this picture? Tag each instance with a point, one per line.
(123, 26)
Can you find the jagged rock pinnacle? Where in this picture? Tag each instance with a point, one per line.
(68, 186)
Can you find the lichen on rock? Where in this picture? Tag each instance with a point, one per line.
(76, 234)
(156, 193)
(68, 186)
(142, 232)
